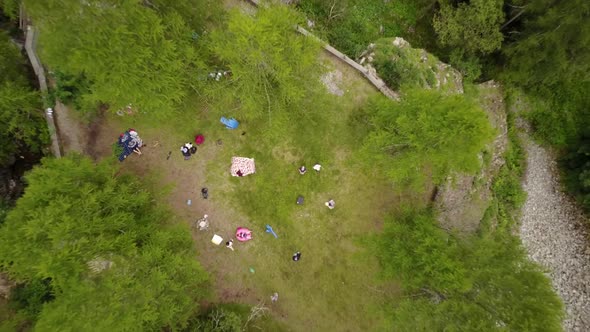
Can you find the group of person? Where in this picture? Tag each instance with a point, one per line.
(130, 142)
(188, 150)
(317, 167)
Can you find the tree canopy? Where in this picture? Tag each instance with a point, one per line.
(113, 260)
(131, 52)
(554, 46)
(426, 133)
(473, 26)
(481, 283)
(21, 117)
(549, 58)
(273, 69)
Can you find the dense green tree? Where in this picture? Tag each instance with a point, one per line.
(426, 133)
(469, 31)
(472, 26)
(413, 241)
(138, 52)
(114, 261)
(576, 162)
(10, 8)
(351, 25)
(553, 47)
(21, 117)
(549, 58)
(21, 121)
(475, 283)
(273, 69)
(218, 320)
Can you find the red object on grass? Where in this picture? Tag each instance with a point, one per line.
(199, 139)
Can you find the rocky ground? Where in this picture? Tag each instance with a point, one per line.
(552, 230)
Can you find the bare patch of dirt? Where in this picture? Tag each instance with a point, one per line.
(71, 131)
(333, 80)
(6, 286)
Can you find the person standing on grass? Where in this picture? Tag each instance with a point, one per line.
(296, 256)
(275, 297)
(317, 167)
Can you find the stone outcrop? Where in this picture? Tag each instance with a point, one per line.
(430, 72)
(463, 199)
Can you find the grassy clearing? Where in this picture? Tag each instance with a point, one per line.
(327, 289)
(334, 287)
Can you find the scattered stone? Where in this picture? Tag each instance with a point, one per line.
(400, 42)
(332, 80)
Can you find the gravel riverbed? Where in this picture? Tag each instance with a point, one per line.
(552, 231)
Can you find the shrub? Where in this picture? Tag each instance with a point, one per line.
(29, 297)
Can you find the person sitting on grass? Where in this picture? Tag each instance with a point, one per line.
(230, 244)
(186, 151)
(302, 170)
(274, 297)
(330, 204)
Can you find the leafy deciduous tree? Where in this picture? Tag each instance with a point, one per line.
(478, 283)
(554, 46)
(21, 120)
(114, 262)
(426, 133)
(131, 51)
(471, 30)
(473, 26)
(273, 68)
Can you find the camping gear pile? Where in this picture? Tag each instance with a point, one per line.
(129, 141)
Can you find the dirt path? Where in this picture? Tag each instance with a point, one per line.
(552, 232)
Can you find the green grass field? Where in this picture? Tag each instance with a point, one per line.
(335, 286)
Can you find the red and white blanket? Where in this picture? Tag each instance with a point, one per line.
(244, 165)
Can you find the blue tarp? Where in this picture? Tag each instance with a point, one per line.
(229, 123)
(128, 143)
